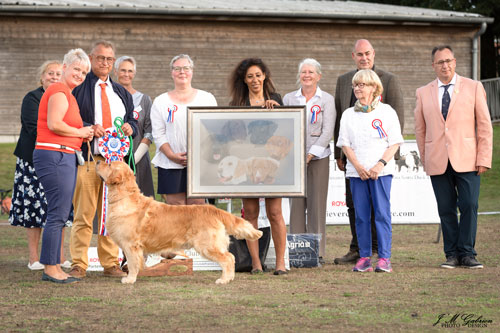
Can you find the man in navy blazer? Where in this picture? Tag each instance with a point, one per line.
(89, 187)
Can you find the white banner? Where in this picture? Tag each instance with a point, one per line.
(412, 197)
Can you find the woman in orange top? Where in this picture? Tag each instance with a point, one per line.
(60, 133)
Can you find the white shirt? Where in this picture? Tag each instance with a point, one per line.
(320, 133)
(451, 88)
(358, 130)
(115, 104)
(174, 133)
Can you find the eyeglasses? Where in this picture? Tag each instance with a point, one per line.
(103, 59)
(359, 85)
(182, 68)
(442, 62)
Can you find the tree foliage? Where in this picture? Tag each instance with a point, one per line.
(490, 40)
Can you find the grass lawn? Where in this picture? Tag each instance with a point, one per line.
(331, 298)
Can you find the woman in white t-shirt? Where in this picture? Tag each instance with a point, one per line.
(369, 136)
(169, 122)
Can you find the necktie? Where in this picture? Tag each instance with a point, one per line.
(106, 109)
(445, 101)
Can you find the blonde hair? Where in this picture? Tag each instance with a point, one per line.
(44, 67)
(369, 77)
(76, 55)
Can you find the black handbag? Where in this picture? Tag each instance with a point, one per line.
(242, 259)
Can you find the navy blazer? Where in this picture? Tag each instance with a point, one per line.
(29, 118)
(85, 96)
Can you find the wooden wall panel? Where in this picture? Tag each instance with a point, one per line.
(216, 48)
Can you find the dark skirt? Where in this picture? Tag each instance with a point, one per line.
(29, 205)
(171, 181)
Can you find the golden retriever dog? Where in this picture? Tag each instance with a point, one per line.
(278, 147)
(140, 225)
(259, 170)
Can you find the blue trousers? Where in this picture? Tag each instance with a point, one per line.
(457, 189)
(57, 173)
(376, 193)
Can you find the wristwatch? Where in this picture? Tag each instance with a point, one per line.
(383, 162)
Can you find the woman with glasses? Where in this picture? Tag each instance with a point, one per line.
(369, 136)
(125, 70)
(169, 122)
(320, 110)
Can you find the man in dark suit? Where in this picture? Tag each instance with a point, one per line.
(100, 101)
(455, 140)
(363, 55)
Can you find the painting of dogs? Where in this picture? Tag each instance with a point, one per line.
(257, 170)
(278, 147)
(140, 225)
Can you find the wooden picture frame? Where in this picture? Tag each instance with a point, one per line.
(246, 152)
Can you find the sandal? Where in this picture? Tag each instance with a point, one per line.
(280, 272)
(256, 271)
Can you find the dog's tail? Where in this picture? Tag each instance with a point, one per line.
(240, 228)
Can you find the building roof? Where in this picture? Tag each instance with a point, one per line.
(318, 10)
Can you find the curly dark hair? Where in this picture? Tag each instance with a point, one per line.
(238, 87)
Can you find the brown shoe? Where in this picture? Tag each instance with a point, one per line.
(114, 271)
(77, 272)
(350, 258)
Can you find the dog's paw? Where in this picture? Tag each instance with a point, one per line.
(128, 280)
(222, 281)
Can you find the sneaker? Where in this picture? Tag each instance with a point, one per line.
(349, 258)
(383, 265)
(36, 266)
(114, 271)
(451, 262)
(471, 262)
(77, 272)
(321, 260)
(363, 265)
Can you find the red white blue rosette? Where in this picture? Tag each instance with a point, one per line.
(377, 124)
(113, 146)
(315, 110)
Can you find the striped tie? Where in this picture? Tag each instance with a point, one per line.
(445, 101)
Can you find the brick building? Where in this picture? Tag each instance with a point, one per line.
(218, 34)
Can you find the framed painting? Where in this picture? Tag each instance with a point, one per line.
(246, 152)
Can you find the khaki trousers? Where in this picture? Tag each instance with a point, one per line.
(88, 198)
(318, 172)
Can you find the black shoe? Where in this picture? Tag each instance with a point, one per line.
(350, 258)
(321, 260)
(70, 279)
(471, 262)
(451, 262)
(280, 272)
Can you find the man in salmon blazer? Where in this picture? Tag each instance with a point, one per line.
(455, 139)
